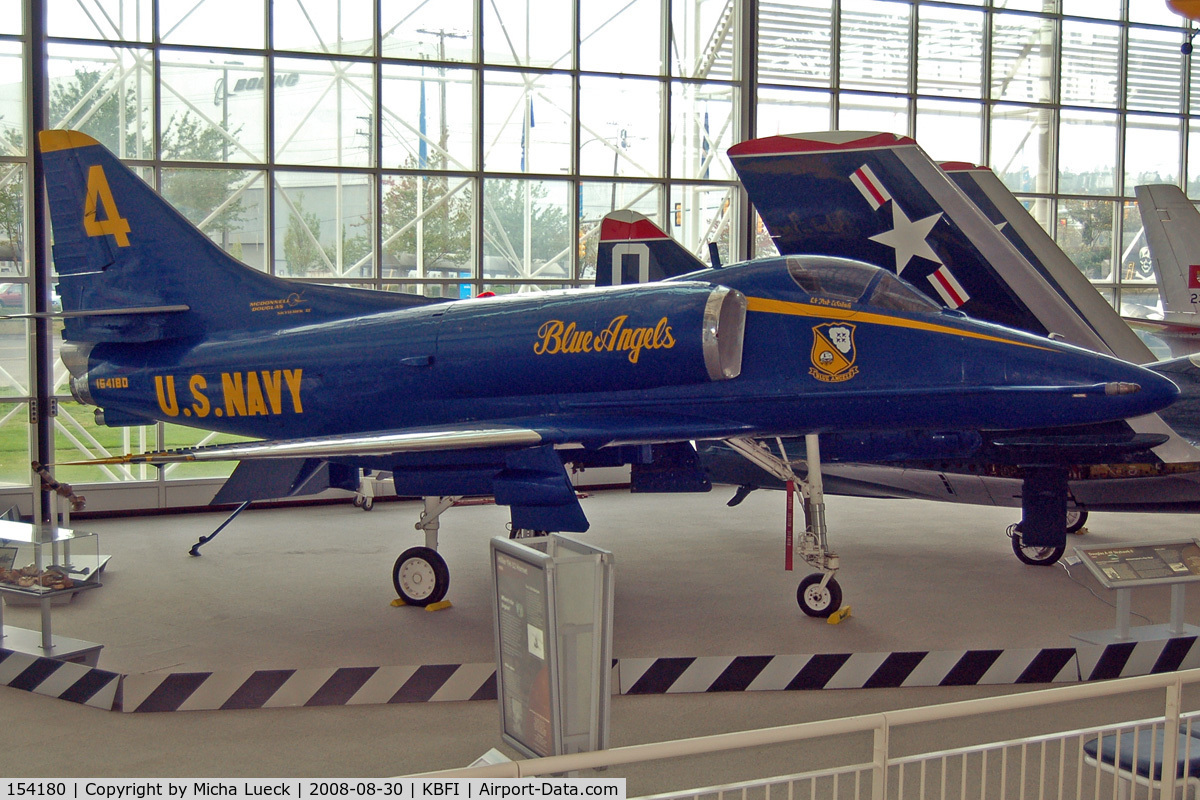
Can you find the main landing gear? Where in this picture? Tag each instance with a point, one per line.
(1046, 555)
(420, 574)
(819, 594)
(1034, 555)
(1040, 538)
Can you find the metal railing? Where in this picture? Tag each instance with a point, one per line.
(1050, 765)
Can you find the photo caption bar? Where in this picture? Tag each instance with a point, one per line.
(383, 788)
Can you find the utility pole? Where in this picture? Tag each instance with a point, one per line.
(443, 35)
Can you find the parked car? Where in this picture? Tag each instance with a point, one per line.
(12, 295)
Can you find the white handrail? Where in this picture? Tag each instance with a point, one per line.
(881, 722)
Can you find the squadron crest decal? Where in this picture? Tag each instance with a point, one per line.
(833, 352)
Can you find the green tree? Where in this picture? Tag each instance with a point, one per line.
(446, 220)
(92, 101)
(1091, 221)
(549, 222)
(12, 206)
(301, 248)
(196, 193)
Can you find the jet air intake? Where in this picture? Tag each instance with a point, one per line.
(624, 338)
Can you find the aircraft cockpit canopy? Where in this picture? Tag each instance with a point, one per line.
(858, 283)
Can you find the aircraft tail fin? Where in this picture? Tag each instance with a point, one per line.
(1172, 226)
(879, 198)
(635, 250)
(133, 269)
(1014, 221)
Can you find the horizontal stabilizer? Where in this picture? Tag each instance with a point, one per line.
(99, 312)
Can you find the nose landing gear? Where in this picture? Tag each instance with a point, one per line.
(819, 595)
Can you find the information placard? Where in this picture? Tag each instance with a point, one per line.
(1143, 564)
(523, 668)
(553, 600)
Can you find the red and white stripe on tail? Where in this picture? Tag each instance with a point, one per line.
(870, 187)
(948, 287)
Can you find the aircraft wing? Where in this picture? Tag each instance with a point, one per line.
(362, 445)
(1172, 226)
(879, 198)
(563, 432)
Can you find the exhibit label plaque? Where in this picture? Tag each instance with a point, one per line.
(1143, 564)
(553, 600)
(523, 668)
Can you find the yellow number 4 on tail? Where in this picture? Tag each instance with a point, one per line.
(99, 195)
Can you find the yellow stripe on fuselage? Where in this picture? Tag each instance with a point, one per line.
(806, 310)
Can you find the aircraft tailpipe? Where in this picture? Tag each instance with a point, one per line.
(80, 389)
(75, 356)
(1121, 387)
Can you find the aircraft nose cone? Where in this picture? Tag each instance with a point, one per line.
(1144, 390)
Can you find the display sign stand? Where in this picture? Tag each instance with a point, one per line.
(1127, 567)
(553, 602)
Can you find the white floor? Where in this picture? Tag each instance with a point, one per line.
(311, 588)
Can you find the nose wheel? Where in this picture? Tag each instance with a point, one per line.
(421, 576)
(819, 597)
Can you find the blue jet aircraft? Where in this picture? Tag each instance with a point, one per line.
(879, 197)
(494, 396)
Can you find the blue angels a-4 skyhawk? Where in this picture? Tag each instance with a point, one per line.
(496, 396)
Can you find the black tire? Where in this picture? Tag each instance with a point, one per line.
(817, 602)
(368, 503)
(420, 576)
(1035, 556)
(1076, 519)
(358, 500)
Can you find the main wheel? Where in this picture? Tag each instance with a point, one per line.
(368, 503)
(421, 576)
(817, 601)
(1035, 556)
(1076, 519)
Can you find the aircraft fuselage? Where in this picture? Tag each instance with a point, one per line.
(744, 349)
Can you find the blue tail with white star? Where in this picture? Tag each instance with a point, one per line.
(879, 198)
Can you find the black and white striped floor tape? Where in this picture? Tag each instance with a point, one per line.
(62, 679)
(309, 687)
(194, 691)
(847, 671)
